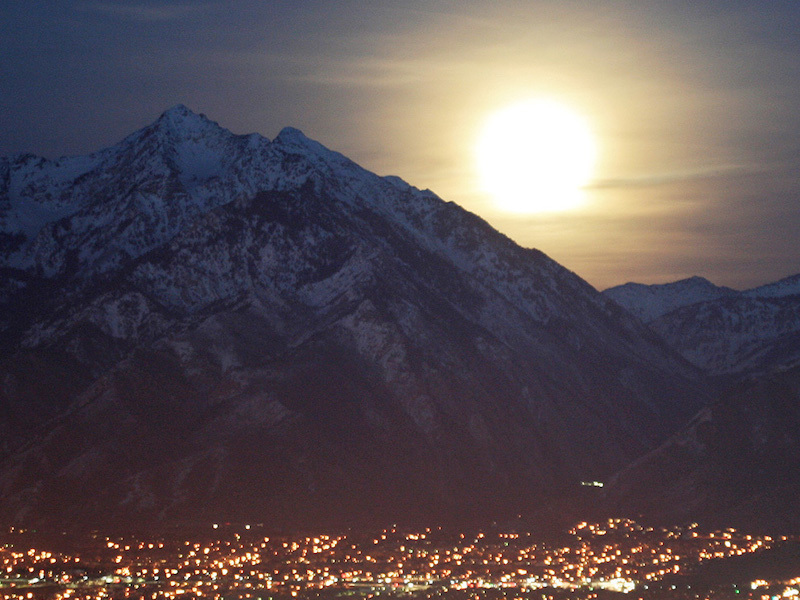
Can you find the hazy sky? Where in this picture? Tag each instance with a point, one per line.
(695, 105)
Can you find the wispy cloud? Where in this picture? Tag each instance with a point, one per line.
(369, 72)
(146, 12)
(655, 180)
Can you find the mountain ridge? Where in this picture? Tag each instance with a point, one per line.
(280, 333)
(649, 302)
(734, 464)
(726, 332)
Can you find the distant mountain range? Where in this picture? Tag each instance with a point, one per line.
(649, 302)
(197, 326)
(737, 462)
(722, 331)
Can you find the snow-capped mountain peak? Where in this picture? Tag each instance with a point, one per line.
(648, 302)
(196, 147)
(275, 300)
(719, 329)
(106, 208)
(291, 136)
(788, 286)
(181, 117)
(324, 162)
(184, 122)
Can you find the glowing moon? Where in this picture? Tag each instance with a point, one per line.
(535, 156)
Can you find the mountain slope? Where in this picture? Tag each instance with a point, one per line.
(788, 286)
(735, 335)
(722, 331)
(221, 327)
(735, 464)
(649, 302)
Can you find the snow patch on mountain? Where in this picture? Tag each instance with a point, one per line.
(721, 330)
(788, 286)
(735, 334)
(209, 292)
(123, 316)
(649, 302)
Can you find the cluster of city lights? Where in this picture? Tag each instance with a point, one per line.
(616, 556)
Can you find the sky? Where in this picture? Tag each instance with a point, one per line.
(694, 106)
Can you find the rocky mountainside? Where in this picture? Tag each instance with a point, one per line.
(735, 336)
(201, 325)
(735, 464)
(786, 287)
(723, 331)
(649, 302)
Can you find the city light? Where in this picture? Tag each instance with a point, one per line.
(616, 556)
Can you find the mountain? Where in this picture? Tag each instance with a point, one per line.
(788, 286)
(735, 336)
(649, 302)
(198, 325)
(735, 464)
(722, 331)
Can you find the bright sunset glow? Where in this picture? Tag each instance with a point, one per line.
(535, 156)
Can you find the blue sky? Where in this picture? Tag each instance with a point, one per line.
(694, 105)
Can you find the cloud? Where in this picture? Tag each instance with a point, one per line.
(655, 180)
(146, 12)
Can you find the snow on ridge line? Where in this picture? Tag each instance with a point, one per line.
(788, 286)
(212, 166)
(649, 302)
(41, 191)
